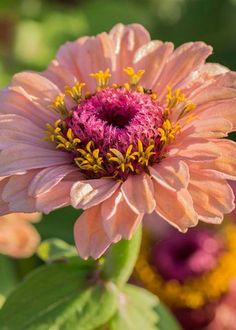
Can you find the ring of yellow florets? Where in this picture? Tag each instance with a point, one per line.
(195, 292)
(115, 163)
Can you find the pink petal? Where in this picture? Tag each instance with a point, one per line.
(212, 196)
(138, 193)
(15, 101)
(214, 127)
(195, 149)
(88, 193)
(171, 172)
(23, 157)
(221, 88)
(14, 186)
(203, 79)
(46, 179)
(185, 59)
(226, 162)
(127, 39)
(152, 58)
(57, 197)
(15, 193)
(118, 217)
(67, 54)
(4, 207)
(176, 207)
(233, 186)
(36, 87)
(214, 69)
(223, 109)
(82, 57)
(90, 237)
(60, 75)
(17, 129)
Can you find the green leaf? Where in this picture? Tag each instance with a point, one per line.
(138, 309)
(59, 296)
(59, 223)
(167, 321)
(8, 278)
(55, 249)
(121, 258)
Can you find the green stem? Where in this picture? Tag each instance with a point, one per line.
(121, 258)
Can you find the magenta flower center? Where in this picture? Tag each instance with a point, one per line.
(181, 257)
(117, 118)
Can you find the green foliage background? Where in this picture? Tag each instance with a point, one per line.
(32, 30)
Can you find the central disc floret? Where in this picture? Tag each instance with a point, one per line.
(117, 130)
(117, 118)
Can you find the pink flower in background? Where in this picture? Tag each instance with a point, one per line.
(194, 274)
(132, 127)
(18, 238)
(225, 313)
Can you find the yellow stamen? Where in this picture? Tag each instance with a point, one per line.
(187, 108)
(89, 159)
(124, 161)
(60, 137)
(75, 92)
(102, 78)
(175, 98)
(168, 131)
(144, 155)
(134, 77)
(59, 105)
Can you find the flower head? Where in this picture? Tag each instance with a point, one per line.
(18, 238)
(120, 126)
(193, 274)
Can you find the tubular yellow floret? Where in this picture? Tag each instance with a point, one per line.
(75, 92)
(168, 131)
(175, 98)
(134, 77)
(144, 155)
(102, 78)
(62, 138)
(89, 159)
(124, 161)
(59, 105)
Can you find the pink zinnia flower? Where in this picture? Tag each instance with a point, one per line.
(133, 127)
(18, 238)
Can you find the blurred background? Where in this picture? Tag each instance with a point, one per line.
(31, 31)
